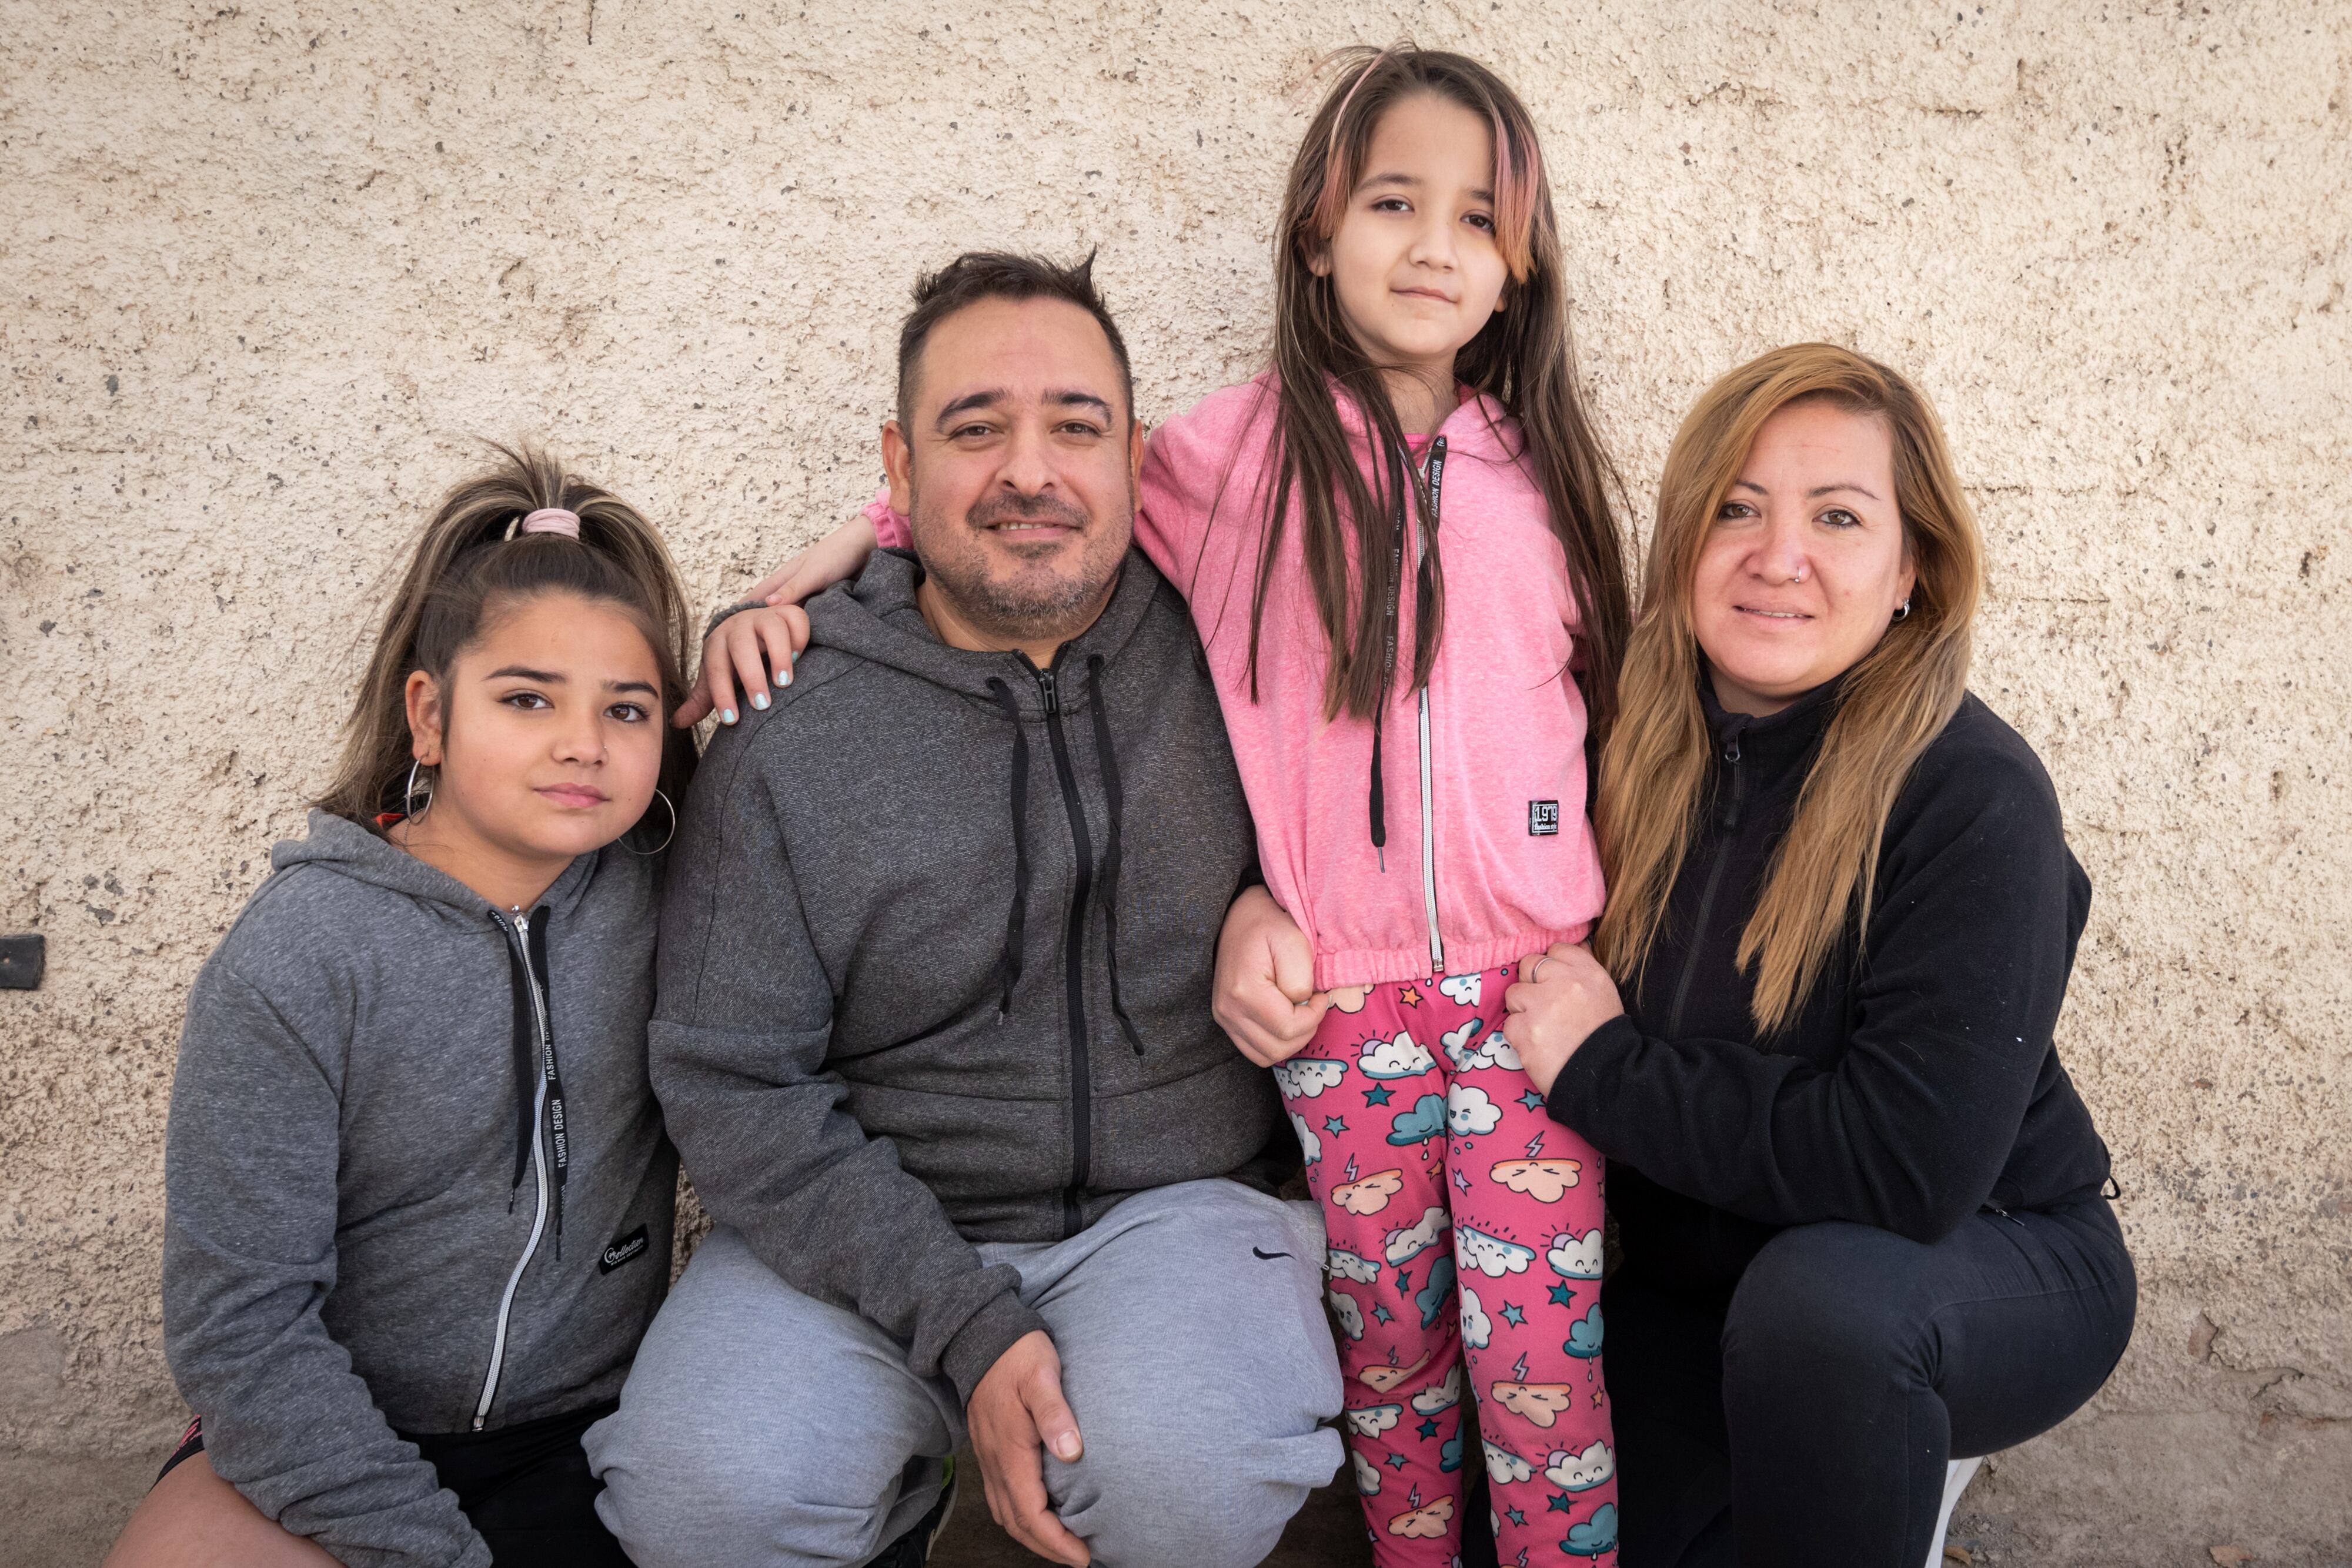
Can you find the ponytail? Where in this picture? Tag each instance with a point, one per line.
(477, 558)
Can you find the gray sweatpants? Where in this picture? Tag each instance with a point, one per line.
(763, 1427)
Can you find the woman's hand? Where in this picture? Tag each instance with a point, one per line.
(1265, 997)
(747, 646)
(1562, 996)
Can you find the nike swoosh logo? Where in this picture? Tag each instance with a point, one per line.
(1270, 1257)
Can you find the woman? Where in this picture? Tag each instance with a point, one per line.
(1859, 1199)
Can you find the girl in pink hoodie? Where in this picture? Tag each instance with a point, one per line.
(1397, 547)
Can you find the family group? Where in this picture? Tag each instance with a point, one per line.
(1178, 948)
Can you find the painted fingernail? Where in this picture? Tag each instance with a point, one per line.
(760, 701)
(784, 676)
(727, 715)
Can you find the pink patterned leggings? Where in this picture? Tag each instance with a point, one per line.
(1441, 1177)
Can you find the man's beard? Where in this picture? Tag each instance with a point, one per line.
(1014, 600)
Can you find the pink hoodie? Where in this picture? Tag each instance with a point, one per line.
(1495, 859)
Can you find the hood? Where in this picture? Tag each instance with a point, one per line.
(875, 618)
(1478, 427)
(342, 846)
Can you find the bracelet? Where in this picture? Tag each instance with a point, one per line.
(737, 607)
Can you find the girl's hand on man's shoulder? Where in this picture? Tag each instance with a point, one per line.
(753, 650)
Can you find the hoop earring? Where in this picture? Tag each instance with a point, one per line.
(1902, 611)
(408, 796)
(666, 838)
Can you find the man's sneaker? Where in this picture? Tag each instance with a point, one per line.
(913, 1549)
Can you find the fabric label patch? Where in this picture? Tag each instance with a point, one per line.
(623, 1248)
(1543, 819)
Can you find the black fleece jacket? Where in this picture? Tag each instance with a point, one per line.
(1918, 1082)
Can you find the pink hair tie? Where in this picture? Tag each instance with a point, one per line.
(551, 520)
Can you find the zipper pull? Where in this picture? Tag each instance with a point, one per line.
(1732, 798)
(1053, 697)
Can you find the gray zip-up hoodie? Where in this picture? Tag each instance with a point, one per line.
(937, 957)
(416, 1179)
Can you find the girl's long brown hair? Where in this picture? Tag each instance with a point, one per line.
(1895, 700)
(471, 563)
(1523, 357)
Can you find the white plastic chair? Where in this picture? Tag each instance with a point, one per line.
(1956, 1477)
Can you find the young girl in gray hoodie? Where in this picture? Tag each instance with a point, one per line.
(418, 1196)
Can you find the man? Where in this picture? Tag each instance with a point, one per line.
(934, 1035)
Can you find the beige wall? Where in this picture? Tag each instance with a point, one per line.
(265, 270)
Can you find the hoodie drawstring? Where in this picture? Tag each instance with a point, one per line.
(1378, 804)
(526, 962)
(1107, 759)
(526, 1065)
(1008, 963)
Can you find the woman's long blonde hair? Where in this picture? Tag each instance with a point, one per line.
(1895, 700)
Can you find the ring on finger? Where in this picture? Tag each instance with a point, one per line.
(1535, 974)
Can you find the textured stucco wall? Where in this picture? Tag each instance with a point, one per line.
(265, 269)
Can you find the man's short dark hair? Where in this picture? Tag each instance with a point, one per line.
(979, 275)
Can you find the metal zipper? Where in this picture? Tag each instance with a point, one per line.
(1436, 473)
(521, 932)
(1429, 846)
(1074, 956)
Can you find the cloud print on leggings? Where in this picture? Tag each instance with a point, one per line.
(1546, 1181)
(1341, 1264)
(1306, 1077)
(1504, 1466)
(1426, 1121)
(1595, 1535)
(1490, 1255)
(1309, 1144)
(1371, 1194)
(1390, 1378)
(1405, 1245)
(1432, 1297)
(1374, 1420)
(1477, 1328)
(1402, 1057)
(1443, 1395)
(1493, 1051)
(1471, 1111)
(1580, 1471)
(1349, 1312)
(1584, 1336)
(1574, 1256)
(1424, 1523)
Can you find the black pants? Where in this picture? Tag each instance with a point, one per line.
(525, 1488)
(528, 1492)
(1808, 1418)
